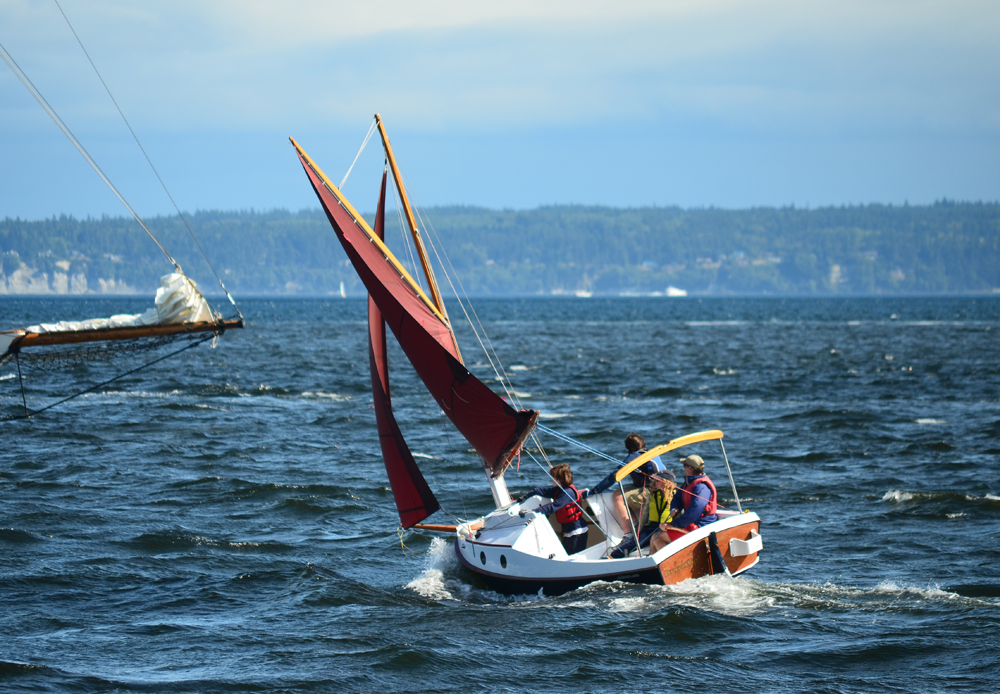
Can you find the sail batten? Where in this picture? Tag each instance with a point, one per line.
(494, 428)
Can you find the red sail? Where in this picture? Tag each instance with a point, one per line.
(414, 499)
(494, 428)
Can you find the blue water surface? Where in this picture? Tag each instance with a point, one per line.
(221, 521)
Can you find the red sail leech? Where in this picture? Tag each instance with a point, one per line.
(414, 498)
(494, 428)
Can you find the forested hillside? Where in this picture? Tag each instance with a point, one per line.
(943, 248)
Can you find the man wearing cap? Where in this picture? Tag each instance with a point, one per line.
(697, 501)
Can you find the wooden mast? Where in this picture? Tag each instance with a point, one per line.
(415, 232)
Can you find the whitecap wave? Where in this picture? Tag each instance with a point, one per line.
(631, 604)
(931, 421)
(722, 594)
(336, 397)
(897, 495)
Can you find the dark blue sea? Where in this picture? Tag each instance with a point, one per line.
(221, 521)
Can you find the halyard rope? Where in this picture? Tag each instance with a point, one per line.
(150, 162)
(363, 144)
(29, 85)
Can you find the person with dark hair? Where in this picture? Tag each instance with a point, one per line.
(628, 507)
(566, 504)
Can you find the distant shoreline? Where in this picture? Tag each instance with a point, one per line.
(947, 248)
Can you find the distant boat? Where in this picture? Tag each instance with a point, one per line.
(583, 293)
(513, 554)
(343, 294)
(674, 291)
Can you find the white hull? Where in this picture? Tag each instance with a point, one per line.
(516, 555)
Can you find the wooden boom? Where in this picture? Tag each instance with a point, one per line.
(107, 334)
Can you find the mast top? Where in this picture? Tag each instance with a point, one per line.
(418, 241)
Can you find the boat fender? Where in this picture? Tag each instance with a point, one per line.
(718, 564)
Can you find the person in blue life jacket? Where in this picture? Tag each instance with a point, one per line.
(658, 514)
(566, 504)
(637, 497)
(694, 505)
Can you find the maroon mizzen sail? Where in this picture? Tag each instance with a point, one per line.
(414, 498)
(494, 428)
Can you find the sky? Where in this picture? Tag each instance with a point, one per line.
(504, 105)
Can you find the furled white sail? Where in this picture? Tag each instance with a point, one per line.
(177, 301)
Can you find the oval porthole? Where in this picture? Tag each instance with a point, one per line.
(482, 558)
(503, 561)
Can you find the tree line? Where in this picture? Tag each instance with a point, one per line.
(946, 247)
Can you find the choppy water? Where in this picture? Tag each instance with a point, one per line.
(222, 522)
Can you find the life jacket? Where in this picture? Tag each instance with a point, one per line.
(570, 512)
(713, 500)
(659, 507)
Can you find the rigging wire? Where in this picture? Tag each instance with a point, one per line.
(575, 503)
(371, 130)
(28, 415)
(487, 351)
(418, 276)
(149, 161)
(30, 86)
(569, 439)
(501, 373)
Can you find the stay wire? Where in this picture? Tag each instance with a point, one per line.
(581, 444)
(149, 161)
(418, 276)
(30, 86)
(193, 343)
(504, 380)
(371, 129)
(500, 372)
(575, 503)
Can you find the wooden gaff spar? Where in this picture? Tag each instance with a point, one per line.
(514, 554)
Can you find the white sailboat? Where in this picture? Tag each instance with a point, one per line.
(512, 552)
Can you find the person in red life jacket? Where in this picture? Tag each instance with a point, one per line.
(566, 504)
(696, 502)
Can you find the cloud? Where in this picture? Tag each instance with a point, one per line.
(812, 101)
(738, 66)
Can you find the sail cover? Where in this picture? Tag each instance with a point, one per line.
(494, 428)
(414, 499)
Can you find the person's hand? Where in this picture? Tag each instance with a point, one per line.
(524, 497)
(584, 493)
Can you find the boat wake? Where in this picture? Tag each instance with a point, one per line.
(444, 579)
